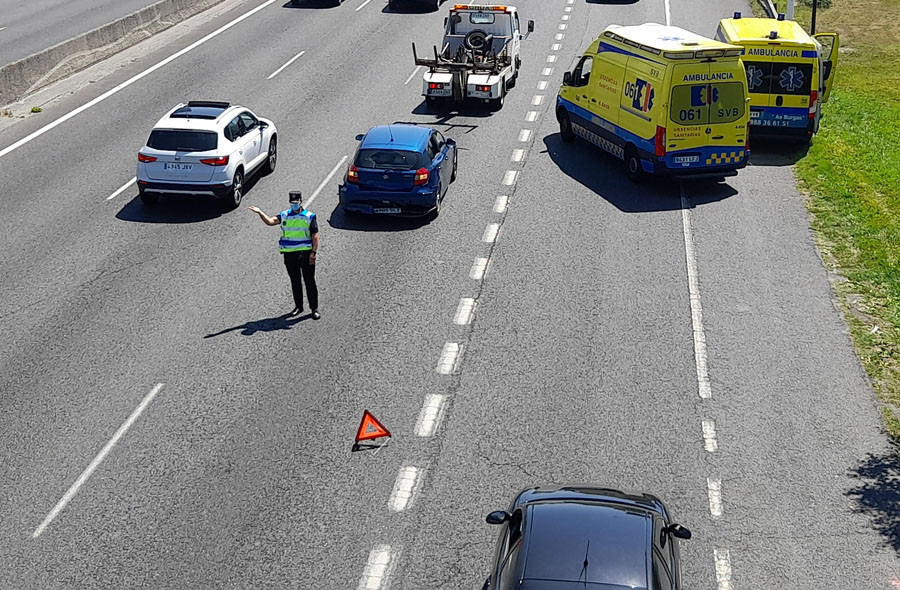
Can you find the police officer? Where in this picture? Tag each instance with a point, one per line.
(299, 243)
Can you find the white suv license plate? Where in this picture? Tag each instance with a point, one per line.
(170, 166)
(685, 159)
(387, 210)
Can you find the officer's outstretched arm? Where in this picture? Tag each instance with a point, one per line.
(267, 219)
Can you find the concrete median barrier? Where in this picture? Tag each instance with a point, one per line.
(31, 73)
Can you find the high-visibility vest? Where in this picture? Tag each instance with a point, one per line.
(295, 236)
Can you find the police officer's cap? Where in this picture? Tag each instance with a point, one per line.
(294, 196)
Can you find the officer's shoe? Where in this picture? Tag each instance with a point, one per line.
(316, 315)
(295, 312)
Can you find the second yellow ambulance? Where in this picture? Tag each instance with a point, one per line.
(662, 99)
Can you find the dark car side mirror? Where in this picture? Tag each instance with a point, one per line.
(360, 137)
(497, 517)
(679, 531)
(531, 26)
(567, 78)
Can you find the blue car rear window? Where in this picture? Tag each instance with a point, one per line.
(388, 159)
(182, 141)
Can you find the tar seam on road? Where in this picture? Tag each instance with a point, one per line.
(132, 80)
(70, 493)
(326, 181)
(289, 62)
(121, 189)
(700, 352)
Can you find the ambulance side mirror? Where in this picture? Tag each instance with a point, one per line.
(531, 26)
(567, 78)
(827, 69)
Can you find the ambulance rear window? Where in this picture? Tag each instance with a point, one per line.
(779, 78)
(702, 104)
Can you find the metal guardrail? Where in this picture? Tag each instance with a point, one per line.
(769, 7)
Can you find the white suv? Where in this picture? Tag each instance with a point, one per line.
(205, 148)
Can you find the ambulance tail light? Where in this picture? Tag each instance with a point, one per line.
(660, 143)
(353, 175)
(145, 158)
(813, 100)
(421, 177)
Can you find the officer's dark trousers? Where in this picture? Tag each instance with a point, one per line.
(301, 271)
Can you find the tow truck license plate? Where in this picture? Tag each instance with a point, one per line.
(386, 209)
(170, 166)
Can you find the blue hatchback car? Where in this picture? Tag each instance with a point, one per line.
(399, 170)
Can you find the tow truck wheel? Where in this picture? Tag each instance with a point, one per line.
(433, 103)
(565, 128)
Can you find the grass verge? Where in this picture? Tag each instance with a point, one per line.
(851, 178)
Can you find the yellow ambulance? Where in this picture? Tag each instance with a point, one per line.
(662, 99)
(789, 73)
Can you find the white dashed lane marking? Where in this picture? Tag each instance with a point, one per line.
(449, 358)
(378, 567)
(289, 62)
(70, 493)
(121, 189)
(560, 36)
(431, 415)
(524, 135)
(723, 569)
(408, 482)
(563, 26)
(566, 17)
(542, 85)
(551, 59)
(501, 203)
(411, 76)
(464, 312)
(531, 116)
(714, 487)
(478, 269)
(325, 182)
(546, 71)
(710, 442)
(509, 179)
(537, 99)
(490, 233)
(361, 6)
(517, 155)
(555, 47)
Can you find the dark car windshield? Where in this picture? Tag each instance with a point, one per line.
(388, 159)
(182, 141)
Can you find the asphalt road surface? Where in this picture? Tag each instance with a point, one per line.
(580, 364)
(29, 27)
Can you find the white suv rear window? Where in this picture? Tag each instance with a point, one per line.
(182, 140)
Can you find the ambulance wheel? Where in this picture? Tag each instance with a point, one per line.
(565, 128)
(633, 168)
(497, 103)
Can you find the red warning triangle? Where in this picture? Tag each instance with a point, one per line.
(370, 427)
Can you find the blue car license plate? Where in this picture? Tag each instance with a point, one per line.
(387, 210)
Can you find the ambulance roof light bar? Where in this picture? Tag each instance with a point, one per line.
(481, 7)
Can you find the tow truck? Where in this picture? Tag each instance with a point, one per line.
(479, 57)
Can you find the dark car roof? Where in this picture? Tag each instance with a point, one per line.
(400, 137)
(614, 538)
(592, 494)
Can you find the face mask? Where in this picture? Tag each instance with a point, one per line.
(295, 207)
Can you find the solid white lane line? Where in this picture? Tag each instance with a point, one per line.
(524, 135)
(478, 269)
(723, 569)
(361, 6)
(132, 80)
(431, 415)
(709, 436)
(122, 189)
(501, 203)
(289, 62)
(70, 493)
(700, 352)
(517, 155)
(560, 36)
(411, 76)
(490, 233)
(405, 488)
(542, 85)
(537, 99)
(531, 116)
(714, 486)
(551, 59)
(546, 71)
(449, 358)
(464, 311)
(325, 182)
(509, 179)
(378, 568)
(668, 12)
